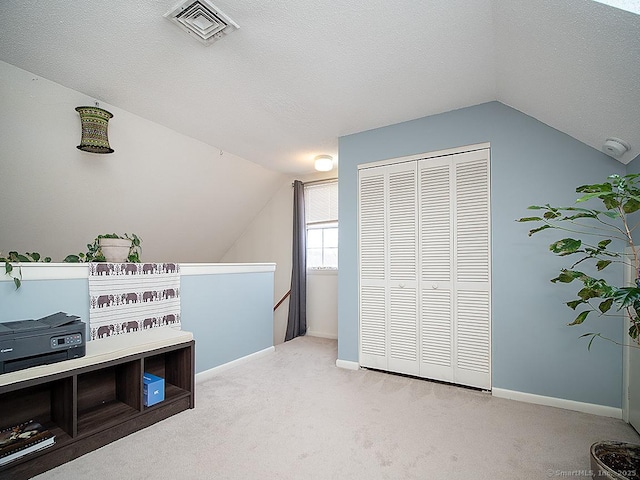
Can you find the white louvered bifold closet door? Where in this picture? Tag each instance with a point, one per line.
(472, 253)
(424, 246)
(455, 262)
(436, 273)
(388, 268)
(402, 240)
(373, 297)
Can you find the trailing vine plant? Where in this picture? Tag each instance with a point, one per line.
(93, 254)
(14, 271)
(592, 232)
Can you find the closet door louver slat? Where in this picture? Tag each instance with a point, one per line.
(372, 234)
(373, 325)
(472, 222)
(402, 226)
(436, 334)
(435, 223)
(403, 325)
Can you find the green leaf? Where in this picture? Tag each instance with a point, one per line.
(601, 264)
(580, 318)
(592, 335)
(587, 293)
(611, 201)
(524, 219)
(581, 215)
(631, 205)
(604, 243)
(539, 229)
(588, 196)
(634, 330)
(568, 276)
(17, 281)
(574, 303)
(71, 259)
(8, 268)
(35, 256)
(552, 214)
(596, 188)
(605, 306)
(566, 246)
(626, 296)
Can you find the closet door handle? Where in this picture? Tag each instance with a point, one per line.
(401, 285)
(434, 286)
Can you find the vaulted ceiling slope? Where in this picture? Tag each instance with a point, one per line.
(298, 73)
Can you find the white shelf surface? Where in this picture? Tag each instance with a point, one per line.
(104, 350)
(70, 271)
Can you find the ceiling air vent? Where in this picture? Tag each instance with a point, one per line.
(202, 20)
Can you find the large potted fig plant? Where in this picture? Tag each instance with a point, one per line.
(591, 237)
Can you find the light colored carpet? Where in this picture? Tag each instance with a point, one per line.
(294, 415)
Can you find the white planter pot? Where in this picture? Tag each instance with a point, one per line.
(115, 250)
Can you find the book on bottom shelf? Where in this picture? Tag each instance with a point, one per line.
(22, 439)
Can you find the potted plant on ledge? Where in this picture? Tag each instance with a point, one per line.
(592, 232)
(111, 247)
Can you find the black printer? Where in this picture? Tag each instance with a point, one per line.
(28, 343)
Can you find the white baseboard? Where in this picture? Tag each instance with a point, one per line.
(212, 372)
(313, 333)
(347, 364)
(592, 408)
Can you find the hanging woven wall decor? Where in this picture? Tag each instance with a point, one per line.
(94, 130)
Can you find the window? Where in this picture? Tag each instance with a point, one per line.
(321, 212)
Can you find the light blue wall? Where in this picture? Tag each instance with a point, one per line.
(531, 163)
(230, 315)
(634, 165)
(39, 298)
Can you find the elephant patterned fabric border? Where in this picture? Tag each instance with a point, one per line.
(131, 297)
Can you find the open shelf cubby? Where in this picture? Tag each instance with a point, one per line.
(91, 401)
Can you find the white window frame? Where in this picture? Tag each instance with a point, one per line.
(323, 224)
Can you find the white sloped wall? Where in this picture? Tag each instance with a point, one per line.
(187, 200)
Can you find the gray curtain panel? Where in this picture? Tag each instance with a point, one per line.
(297, 322)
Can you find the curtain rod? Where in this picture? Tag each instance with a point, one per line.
(325, 180)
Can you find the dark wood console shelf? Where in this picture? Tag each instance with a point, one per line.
(91, 401)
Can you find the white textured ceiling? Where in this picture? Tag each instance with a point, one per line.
(298, 74)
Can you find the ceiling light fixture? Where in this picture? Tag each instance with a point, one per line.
(324, 163)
